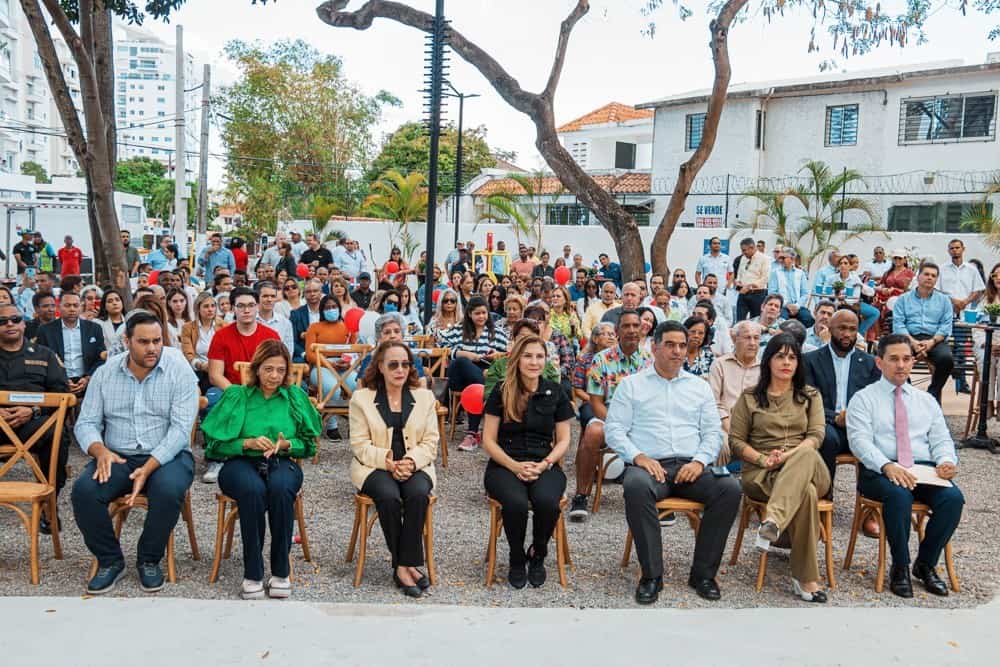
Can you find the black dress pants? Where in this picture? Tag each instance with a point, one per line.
(402, 510)
(834, 443)
(940, 358)
(541, 497)
(748, 305)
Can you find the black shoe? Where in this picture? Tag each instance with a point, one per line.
(668, 520)
(578, 509)
(45, 528)
(423, 583)
(408, 591)
(150, 577)
(929, 576)
(962, 387)
(706, 589)
(536, 568)
(517, 576)
(334, 434)
(105, 579)
(899, 581)
(648, 590)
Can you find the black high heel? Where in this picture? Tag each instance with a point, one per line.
(408, 591)
(423, 583)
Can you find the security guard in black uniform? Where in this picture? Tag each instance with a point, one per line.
(29, 367)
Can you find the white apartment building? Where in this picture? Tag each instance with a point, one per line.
(924, 136)
(145, 94)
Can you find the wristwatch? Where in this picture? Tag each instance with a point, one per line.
(36, 413)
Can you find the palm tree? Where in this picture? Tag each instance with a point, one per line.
(400, 198)
(982, 217)
(825, 206)
(524, 211)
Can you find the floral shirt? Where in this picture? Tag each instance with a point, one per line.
(702, 363)
(579, 379)
(611, 366)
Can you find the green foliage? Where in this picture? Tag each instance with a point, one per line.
(522, 207)
(30, 168)
(397, 197)
(982, 216)
(132, 11)
(139, 175)
(408, 150)
(296, 128)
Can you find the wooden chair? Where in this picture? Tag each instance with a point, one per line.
(437, 382)
(119, 511)
(602, 470)
(298, 373)
(328, 402)
(364, 519)
(41, 492)
(559, 535)
(664, 507)
(225, 527)
(751, 506)
(921, 514)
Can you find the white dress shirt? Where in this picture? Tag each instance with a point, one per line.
(842, 370)
(283, 326)
(876, 269)
(72, 350)
(663, 418)
(958, 282)
(871, 426)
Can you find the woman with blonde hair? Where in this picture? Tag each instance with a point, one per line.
(447, 313)
(394, 438)
(340, 289)
(258, 429)
(513, 308)
(197, 335)
(563, 317)
(526, 434)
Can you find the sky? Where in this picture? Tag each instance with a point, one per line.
(608, 59)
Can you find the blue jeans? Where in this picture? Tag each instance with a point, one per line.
(869, 316)
(803, 316)
(165, 489)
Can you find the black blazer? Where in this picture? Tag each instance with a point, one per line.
(820, 374)
(50, 335)
(300, 322)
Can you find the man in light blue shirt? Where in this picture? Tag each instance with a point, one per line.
(350, 261)
(924, 315)
(715, 262)
(664, 423)
(792, 284)
(135, 424)
(893, 426)
(825, 274)
(214, 256)
(157, 259)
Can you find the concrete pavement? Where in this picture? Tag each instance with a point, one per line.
(180, 632)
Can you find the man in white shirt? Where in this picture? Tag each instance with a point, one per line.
(664, 424)
(268, 293)
(876, 268)
(892, 426)
(751, 281)
(271, 255)
(299, 246)
(715, 262)
(792, 284)
(961, 281)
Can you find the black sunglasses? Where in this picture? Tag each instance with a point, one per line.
(449, 300)
(395, 365)
(288, 287)
(16, 319)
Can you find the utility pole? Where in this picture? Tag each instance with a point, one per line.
(180, 184)
(434, 78)
(458, 157)
(206, 79)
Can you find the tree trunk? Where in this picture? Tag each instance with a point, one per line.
(688, 171)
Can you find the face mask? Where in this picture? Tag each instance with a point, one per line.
(390, 308)
(331, 315)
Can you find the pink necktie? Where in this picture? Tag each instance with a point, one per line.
(904, 452)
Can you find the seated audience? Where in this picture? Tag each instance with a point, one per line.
(699, 357)
(79, 343)
(197, 335)
(498, 369)
(924, 316)
(111, 317)
(733, 374)
(257, 430)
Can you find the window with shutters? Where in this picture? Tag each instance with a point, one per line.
(948, 118)
(939, 217)
(694, 127)
(580, 150)
(842, 125)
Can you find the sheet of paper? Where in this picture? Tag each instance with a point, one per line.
(928, 475)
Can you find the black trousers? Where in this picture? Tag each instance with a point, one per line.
(461, 373)
(748, 305)
(720, 495)
(165, 490)
(256, 497)
(42, 449)
(834, 443)
(939, 357)
(540, 497)
(402, 510)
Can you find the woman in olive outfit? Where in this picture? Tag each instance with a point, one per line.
(526, 433)
(257, 430)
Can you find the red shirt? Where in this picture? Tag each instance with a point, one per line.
(240, 256)
(69, 261)
(230, 346)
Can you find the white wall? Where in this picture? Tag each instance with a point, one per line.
(602, 139)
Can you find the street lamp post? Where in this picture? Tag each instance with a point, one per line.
(458, 157)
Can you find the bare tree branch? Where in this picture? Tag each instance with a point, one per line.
(582, 7)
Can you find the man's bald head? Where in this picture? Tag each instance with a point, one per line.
(631, 295)
(844, 330)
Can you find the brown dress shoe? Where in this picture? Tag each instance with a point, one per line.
(870, 527)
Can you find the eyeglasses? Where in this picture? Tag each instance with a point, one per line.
(396, 365)
(244, 306)
(291, 287)
(16, 319)
(449, 300)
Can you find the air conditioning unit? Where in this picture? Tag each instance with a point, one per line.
(993, 57)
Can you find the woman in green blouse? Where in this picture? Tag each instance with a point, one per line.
(776, 429)
(257, 430)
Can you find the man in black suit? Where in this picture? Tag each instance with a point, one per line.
(304, 315)
(79, 343)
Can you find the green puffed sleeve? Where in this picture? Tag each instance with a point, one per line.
(307, 424)
(223, 427)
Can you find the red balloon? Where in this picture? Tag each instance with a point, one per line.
(352, 319)
(154, 277)
(391, 267)
(472, 399)
(302, 271)
(435, 295)
(562, 275)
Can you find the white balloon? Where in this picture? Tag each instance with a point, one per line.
(366, 327)
(615, 468)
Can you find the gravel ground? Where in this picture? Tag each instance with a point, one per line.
(460, 540)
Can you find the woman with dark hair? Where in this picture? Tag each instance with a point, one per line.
(399, 277)
(484, 285)
(474, 346)
(330, 330)
(394, 438)
(177, 314)
(408, 309)
(495, 302)
(170, 254)
(111, 317)
(70, 284)
(777, 428)
(257, 429)
(990, 297)
(388, 302)
(286, 261)
(680, 292)
(699, 353)
(591, 294)
(240, 256)
(526, 435)
(466, 289)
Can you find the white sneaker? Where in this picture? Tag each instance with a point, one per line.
(469, 443)
(252, 590)
(279, 587)
(211, 475)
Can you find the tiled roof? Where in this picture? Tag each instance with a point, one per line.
(627, 183)
(613, 112)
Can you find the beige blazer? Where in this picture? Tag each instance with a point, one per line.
(371, 439)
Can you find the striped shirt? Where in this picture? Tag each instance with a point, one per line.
(154, 416)
(452, 339)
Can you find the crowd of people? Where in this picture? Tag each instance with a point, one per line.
(750, 381)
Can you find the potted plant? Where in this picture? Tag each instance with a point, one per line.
(838, 289)
(993, 310)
